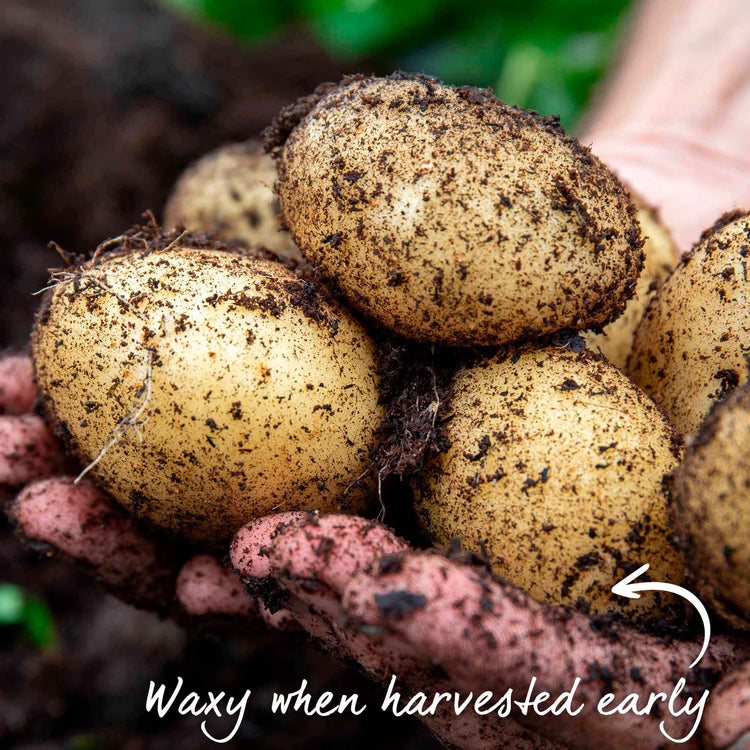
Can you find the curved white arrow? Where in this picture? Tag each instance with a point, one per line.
(626, 587)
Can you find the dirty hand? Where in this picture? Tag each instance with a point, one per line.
(362, 593)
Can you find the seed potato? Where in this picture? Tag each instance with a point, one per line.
(690, 347)
(555, 471)
(711, 508)
(661, 256)
(213, 387)
(229, 195)
(450, 217)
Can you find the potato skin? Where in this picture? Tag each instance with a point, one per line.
(710, 495)
(229, 195)
(690, 347)
(555, 471)
(450, 217)
(263, 394)
(615, 341)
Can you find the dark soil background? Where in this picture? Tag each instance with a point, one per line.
(102, 104)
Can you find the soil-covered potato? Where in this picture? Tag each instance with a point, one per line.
(208, 387)
(229, 195)
(448, 216)
(661, 256)
(555, 472)
(711, 508)
(690, 347)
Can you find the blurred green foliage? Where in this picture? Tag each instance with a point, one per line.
(82, 742)
(29, 614)
(544, 55)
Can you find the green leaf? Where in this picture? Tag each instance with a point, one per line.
(82, 742)
(38, 623)
(520, 74)
(537, 54)
(252, 20)
(187, 7)
(11, 604)
(551, 97)
(28, 613)
(469, 56)
(361, 27)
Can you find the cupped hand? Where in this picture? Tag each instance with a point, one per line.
(363, 594)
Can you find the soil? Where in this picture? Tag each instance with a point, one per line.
(104, 103)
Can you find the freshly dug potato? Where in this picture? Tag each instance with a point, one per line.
(691, 344)
(207, 387)
(229, 195)
(450, 217)
(555, 471)
(711, 507)
(661, 256)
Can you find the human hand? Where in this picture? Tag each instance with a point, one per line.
(672, 119)
(77, 521)
(365, 595)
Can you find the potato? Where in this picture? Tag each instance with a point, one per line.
(450, 217)
(616, 340)
(555, 472)
(229, 195)
(690, 347)
(208, 388)
(710, 494)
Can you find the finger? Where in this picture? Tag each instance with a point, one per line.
(206, 589)
(282, 619)
(80, 522)
(27, 450)
(727, 722)
(252, 566)
(380, 661)
(313, 556)
(17, 389)
(484, 633)
(246, 552)
(253, 571)
(304, 562)
(473, 733)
